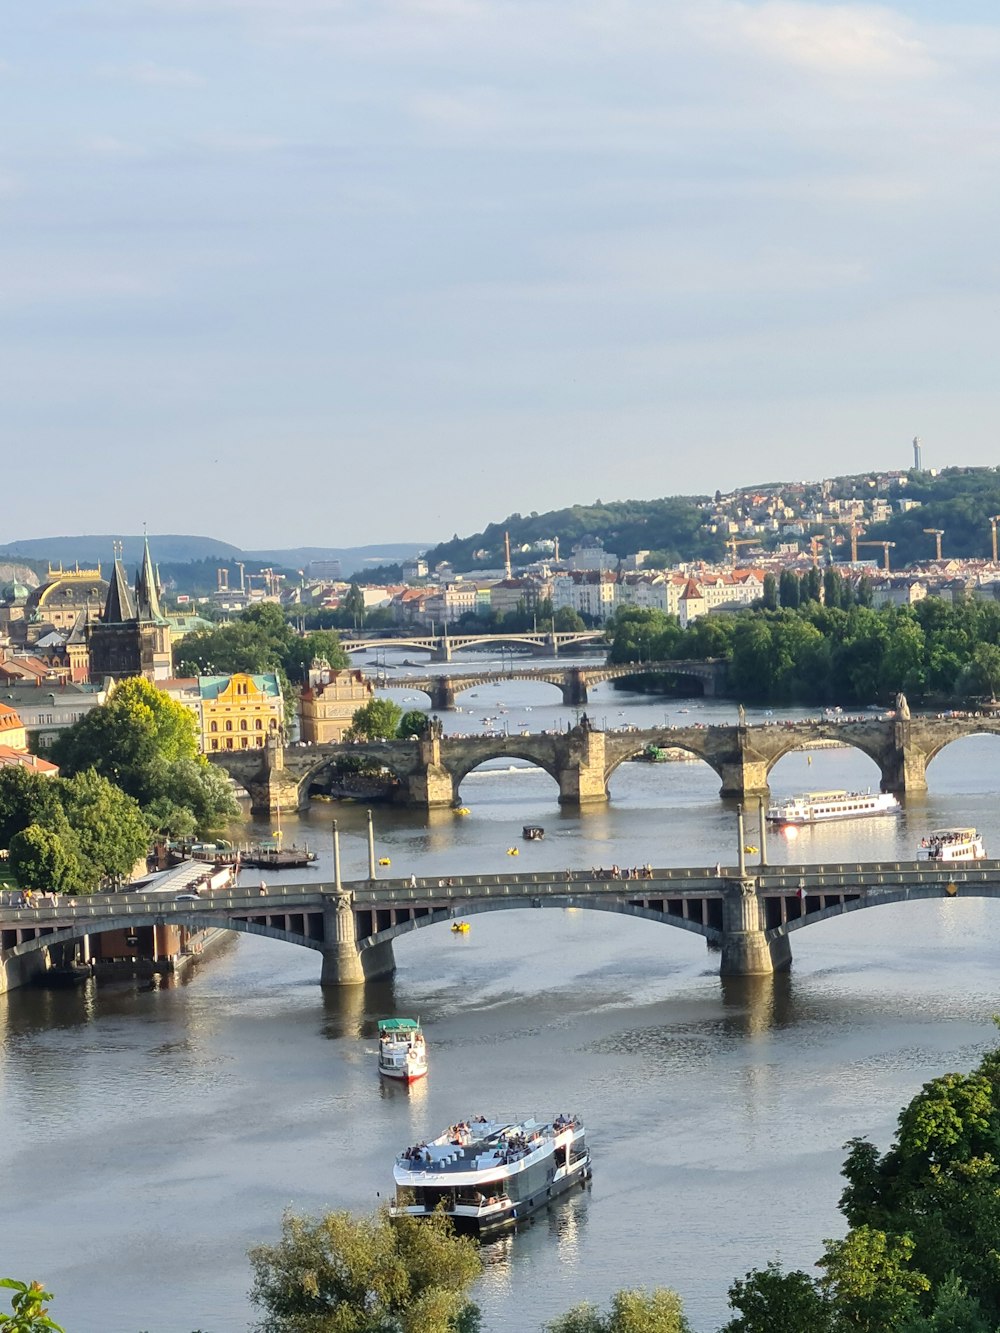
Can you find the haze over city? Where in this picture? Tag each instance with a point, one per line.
(306, 271)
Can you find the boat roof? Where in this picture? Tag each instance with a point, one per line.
(485, 1146)
(398, 1024)
(957, 832)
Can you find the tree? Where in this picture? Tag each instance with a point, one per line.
(412, 723)
(377, 1274)
(40, 859)
(377, 720)
(26, 797)
(657, 1311)
(111, 832)
(870, 1280)
(788, 589)
(30, 1314)
(567, 621)
(354, 605)
(770, 593)
(769, 1299)
(982, 674)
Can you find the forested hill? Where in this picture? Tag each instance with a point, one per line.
(960, 500)
(671, 528)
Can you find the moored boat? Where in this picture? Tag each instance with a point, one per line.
(402, 1050)
(489, 1175)
(817, 807)
(952, 844)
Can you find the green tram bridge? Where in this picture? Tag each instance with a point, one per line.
(747, 913)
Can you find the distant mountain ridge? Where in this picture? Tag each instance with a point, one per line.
(178, 549)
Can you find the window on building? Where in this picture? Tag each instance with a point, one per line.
(229, 726)
(243, 724)
(215, 745)
(214, 726)
(259, 725)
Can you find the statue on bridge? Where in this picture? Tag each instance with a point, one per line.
(585, 723)
(741, 714)
(435, 729)
(902, 708)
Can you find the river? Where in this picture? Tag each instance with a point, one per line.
(151, 1135)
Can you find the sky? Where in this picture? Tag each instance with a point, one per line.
(337, 272)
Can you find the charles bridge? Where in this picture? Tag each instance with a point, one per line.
(747, 913)
(429, 771)
(572, 681)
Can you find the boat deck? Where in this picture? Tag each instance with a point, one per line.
(481, 1145)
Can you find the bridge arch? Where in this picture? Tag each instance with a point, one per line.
(475, 907)
(919, 893)
(985, 730)
(328, 762)
(509, 751)
(194, 921)
(627, 752)
(834, 732)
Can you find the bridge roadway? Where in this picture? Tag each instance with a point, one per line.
(430, 771)
(747, 913)
(573, 682)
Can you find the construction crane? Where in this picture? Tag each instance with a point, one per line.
(733, 542)
(937, 533)
(854, 531)
(885, 550)
(995, 519)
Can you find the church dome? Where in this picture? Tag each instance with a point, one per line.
(15, 593)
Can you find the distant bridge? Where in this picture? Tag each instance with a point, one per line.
(430, 770)
(748, 913)
(441, 646)
(573, 682)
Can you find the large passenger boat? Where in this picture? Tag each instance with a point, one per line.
(952, 844)
(402, 1051)
(489, 1175)
(816, 807)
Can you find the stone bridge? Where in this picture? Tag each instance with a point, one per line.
(747, 913)
(573, 682)
(441, 646)
(430, 771)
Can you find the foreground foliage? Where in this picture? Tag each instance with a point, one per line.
(30, 1314)
(657, 1311)
(342, 1274)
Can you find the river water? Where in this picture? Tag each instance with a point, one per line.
(149, 1136)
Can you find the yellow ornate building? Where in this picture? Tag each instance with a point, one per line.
(329, 702)
(240, 711)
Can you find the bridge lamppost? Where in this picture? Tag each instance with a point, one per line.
(336, 858)
(371, 847)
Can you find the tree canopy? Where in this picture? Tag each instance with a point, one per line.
(259, 640)
(343, 1274)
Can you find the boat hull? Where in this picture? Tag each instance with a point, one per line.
(403, 1075)
(805, 821)
(500, 1221)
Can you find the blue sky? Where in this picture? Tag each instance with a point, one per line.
(346, 271)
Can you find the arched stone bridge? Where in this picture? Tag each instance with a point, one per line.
(748, 914)
(430, 771)
(441, 646)
(573, 682)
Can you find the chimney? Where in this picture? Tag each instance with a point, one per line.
(506, 555)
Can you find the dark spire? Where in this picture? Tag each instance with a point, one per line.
(118, 608)
(147, 599)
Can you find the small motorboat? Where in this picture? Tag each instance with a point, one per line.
(460, 927)
(532, 833)
(513, 851)
(402, 1051)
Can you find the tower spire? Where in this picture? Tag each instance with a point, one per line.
(147, 599)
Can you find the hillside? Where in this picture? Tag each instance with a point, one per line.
(670, 527)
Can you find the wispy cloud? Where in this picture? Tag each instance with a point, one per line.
(149, 74)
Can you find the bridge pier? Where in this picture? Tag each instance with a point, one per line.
(905, 769)
(431, 785)
(341, 956)
(378, 961)
(742, 777)
(442, 652)
(574, 688)
(582, 780)
(442, 694)
(746, 950)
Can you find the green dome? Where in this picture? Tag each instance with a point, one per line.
(15, 592)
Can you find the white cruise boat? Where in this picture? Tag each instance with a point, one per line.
(402, 1051)
(816, 807)
(489, 1175)
(952, 844)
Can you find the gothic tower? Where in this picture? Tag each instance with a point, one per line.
(132, 638)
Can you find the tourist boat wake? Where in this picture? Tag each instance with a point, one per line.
(489, 1175)
(816, 807)
(952, 844)
(402, 1051)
